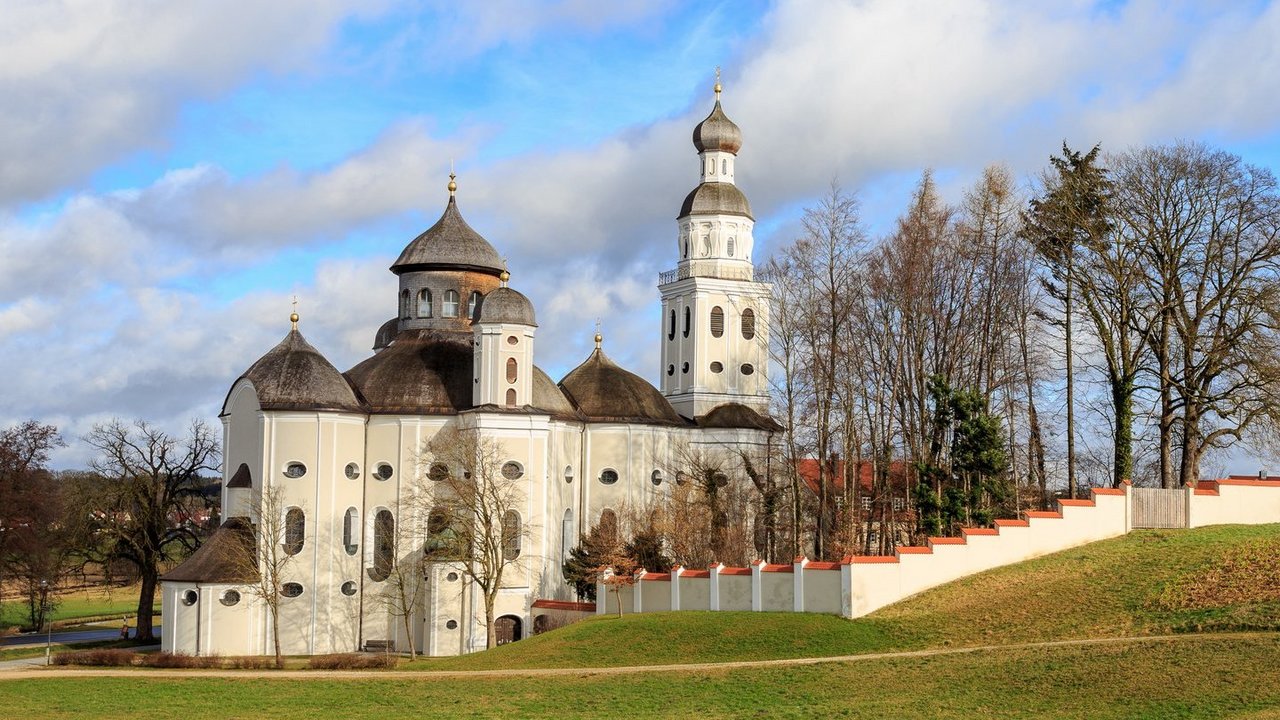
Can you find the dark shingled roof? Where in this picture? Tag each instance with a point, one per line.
(242, 479)
(449, 244)
(717, 132)
(504, 305)
(736, 415)
(602, 391)
(549, 397)
(425, 372)
(295, 376)
(716, 198)
(386, 333)
(219, 559)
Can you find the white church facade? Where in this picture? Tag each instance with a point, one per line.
(342, 450)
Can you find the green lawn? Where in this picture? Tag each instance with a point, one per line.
(1201, 678)
(95, 602)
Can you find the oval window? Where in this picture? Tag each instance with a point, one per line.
(717, 321)
(229, 598)
(671, 370)
(452, 624)
(748, 324)
(512, 470)
(609, 476)
(295, 470)
(513, 340)
(568, 473)
(438, 472)
(352, 471)
(656, 477)
(189, 597)
(685, 368)
(451, 577)
(291, 589)
(349, 588)
(383, 471)
(747, 369)
(717, 367)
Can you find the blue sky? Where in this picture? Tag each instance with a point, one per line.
(175, 172)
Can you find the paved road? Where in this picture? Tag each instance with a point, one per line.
(71, 636)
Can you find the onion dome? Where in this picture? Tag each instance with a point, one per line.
(450, 244)
(295, 376)
(218, 559)
(604, 392)
(504, 305)
(424, 372)
(737, 415)
(716, 198)
(717, 132)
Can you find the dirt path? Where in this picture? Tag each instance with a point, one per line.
(143, 673)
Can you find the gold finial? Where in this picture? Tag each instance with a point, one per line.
(453, 186)
(599, 337)
(717, 83)
(293, 316)
(504, 276)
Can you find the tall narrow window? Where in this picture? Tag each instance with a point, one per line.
(688, 316)
(351, 531)
(384, 528)
(404, 304)
(724, 166)
(424, 303)
(748, 324)
(295, 531)
(717, 321)
(510, 535)
(568, 538)
(609, 523)
(513, 370)
(473, 305)
(729, 245)
(450, 307)
(442, 539)
(511, 397)
(671, 327)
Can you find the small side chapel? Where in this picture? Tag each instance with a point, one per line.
(339, 449)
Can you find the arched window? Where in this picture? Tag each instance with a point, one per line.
(473, 305)
(295, 531)
(688, 318)
(510, 535)
(671, 327)
(511, 397)
(513, 370)
(748, 324)
(351, 531)
(450, 306)
(609, 524)
(724, 170)
(717, 321)
(384, 528)
(424, 303)
(404, 303)
(568, 538)
(442, 539)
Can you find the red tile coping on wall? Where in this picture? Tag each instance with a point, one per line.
(1012, 523)
(564, 605)
(1076, 503)
(1213, 493)
(822, 566)
(766, 567)
(946, 541)
(735, 571)
(864, 559)
(660, 577)
(1043, 514)
(914, 550)
(1108, 491)
(695, 574)
(1249, 483)
(980, 531)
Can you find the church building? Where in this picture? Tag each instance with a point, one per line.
(339, 452)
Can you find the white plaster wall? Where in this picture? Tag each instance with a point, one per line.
(1247, 502)
(822, 591)
(777, 591)
(735, 592)
(655, 595)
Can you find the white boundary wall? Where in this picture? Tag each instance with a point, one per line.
(859, 585)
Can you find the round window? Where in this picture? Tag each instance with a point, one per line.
(383, 471)
(716, 367)
(747, 369)
(189, 597)
(349, 588)
(353, 471)
(229, 598)
(452, 625)
(671, 369)
(438, 472)
(512, 340)
(291, 589)
(451, 577)
(681, 478)
(511, 470)
(656, 477)
(295, 470)
(609, 476)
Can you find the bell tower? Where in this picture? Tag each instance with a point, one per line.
(715, 316)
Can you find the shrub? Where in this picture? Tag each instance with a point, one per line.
(112, 657)
(352, 661)
(179, 660)
(251, 662)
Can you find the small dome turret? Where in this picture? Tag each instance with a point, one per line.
(717, 133)
(504, 305)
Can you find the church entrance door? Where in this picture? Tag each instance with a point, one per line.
(507, 628)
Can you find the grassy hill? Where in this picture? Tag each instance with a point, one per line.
(1146, 583)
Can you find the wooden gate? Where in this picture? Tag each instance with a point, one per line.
(507, 628)
(1159, 508)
